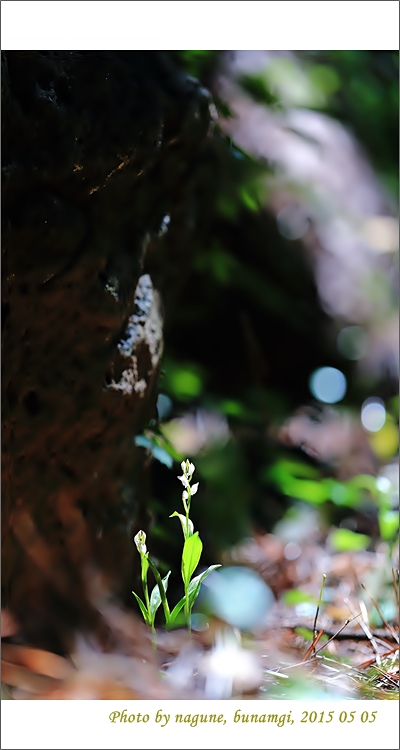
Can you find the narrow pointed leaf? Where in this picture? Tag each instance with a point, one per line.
(155, 598)
(142, 608)
(195, 583)
(163, 595)
(182, 519)
(194, 589)
(190, 556)
(176, 610)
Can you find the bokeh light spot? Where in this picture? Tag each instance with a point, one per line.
(383, 484)
(239, 596)
(293, 223)
(385, 442)
(328, 384)
(352, 342)
(373, 414)
(292, 551)
(185, 383)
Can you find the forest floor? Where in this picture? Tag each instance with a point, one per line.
(325, 635)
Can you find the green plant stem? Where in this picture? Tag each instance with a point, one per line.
(147, 600)
(318, 607)
(187, 509)
(187, 610)
(159, 582)
(145, 590)
(187, 607)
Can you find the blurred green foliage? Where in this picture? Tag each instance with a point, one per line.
(198, 63)
(259, 91)
(183, 381)
(345, 540)
(245, 328)
(362, 90)
(296, 596)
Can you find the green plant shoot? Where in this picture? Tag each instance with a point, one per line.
(149, 606)
(191, 553)
(192, 547)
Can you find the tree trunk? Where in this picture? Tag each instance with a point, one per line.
(96, 148)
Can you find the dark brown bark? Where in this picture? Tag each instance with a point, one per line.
(96, 147)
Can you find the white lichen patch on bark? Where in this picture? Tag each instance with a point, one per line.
(144, 326)
(112, 287)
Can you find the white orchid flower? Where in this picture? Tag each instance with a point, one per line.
(140, 541)
(184, 480)
(193, 491)
(187, 468)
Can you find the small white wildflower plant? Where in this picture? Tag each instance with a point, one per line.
(192, 549)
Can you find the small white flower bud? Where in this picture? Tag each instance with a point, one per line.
(184, 480)
(140, 541)
(194, 489)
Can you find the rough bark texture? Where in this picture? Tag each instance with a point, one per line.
(96, 149)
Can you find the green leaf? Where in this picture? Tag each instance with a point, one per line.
(195, 583)
(190, 556)
(182, 519)
(176, 610)
(142, 608)
(344, 540)
(155, 597)
(179, 622)
(193, 590)
(161, 590)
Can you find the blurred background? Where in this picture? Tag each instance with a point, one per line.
(280, 369)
